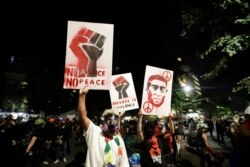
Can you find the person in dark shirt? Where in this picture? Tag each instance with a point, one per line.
(203, 146)
(35, 147)
(220, 130)
(243, 140)
(207, 154)
(154, 148)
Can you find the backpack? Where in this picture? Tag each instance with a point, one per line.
(192, 139)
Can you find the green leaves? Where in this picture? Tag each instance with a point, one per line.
(243, 84)
(221, 31)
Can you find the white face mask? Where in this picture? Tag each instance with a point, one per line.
(111, 122)
(111, 119)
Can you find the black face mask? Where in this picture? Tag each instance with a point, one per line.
(110, 127)
(247, 116)
(149, 130)
(108, 130)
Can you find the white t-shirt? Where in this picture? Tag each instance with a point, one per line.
(96, 144)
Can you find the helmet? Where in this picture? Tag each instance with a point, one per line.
(247, 111)
(39, 121)
(202, 126)
(52, 120)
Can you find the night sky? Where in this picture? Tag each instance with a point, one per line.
(148, 33)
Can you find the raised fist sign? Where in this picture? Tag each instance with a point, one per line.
(121, 85)
(87, 45)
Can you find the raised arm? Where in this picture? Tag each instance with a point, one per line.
(139, 126)
(31, 143)
(83, 118)
(171, 125)
(119, 123)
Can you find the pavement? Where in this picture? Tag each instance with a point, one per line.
(74, 158)
(189, 158)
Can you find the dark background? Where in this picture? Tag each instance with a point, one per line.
(144, 34)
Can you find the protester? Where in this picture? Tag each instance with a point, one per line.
(243, 140)
(49, 136)
(210, 124)
(131, 139)
(160, 127)
(207, 154)
(154, 151)
(172, 140)
(220, 130)
(106, 148)
(62, 141)
(233, 129)
(36, 145)
(203, 147)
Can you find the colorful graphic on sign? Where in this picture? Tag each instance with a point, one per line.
(88, 55)
(122, 92)
(157, 91)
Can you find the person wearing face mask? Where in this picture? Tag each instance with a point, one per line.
(154, 149)
(106, 147)
(242, 144)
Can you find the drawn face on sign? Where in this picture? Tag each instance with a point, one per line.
(156, 89)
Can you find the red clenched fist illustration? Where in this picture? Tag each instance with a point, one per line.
(121, 85)
(87, 45)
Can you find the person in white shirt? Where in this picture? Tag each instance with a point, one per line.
(106, 147)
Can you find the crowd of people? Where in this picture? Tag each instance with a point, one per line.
(159, 143)
(112, 143)
(37, 141)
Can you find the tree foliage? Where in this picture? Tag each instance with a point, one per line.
(243, 84)
(181, 102)
(224, 26)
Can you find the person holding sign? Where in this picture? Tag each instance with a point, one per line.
(106, 147)
(154, 151)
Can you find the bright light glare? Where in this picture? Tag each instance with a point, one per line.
(187, 88)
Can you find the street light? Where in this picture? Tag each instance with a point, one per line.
(187, 88)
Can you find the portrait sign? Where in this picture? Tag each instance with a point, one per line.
(122, 92)
(88, 55)
(157, 91)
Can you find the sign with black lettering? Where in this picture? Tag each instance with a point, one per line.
(122, 92)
